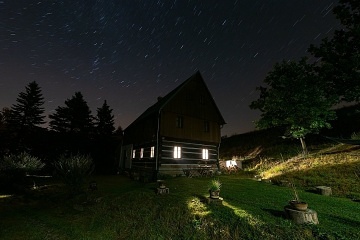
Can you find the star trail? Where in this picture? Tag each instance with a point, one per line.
(130, 52)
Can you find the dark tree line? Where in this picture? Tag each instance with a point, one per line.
(301, 95)
(72, 130)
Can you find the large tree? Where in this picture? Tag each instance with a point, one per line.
(28, 110)
(294, 99)
(75, 117)
(105, 120)
(339, 57)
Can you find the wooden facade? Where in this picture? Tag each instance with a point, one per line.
(179, 131)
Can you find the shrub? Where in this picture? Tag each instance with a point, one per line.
(355, 136)
(22, 163)
(74, 170)
(14, 168)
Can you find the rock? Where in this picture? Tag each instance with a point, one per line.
(324, 190)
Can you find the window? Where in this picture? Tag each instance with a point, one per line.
(205, 153)
(177, 152)
(206, 126)
(152, 152)
(201, 98)
(180, 122)
(141, 153)
(134, 154)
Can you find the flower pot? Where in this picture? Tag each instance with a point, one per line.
(300, 206)
(214, 194)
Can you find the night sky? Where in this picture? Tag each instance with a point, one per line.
(129, 52)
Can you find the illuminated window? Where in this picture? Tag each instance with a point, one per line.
(206, 126)
(205, 153)
(180, 122)
(134, 154)
(177, 152)
(152, 152)
(141, 153)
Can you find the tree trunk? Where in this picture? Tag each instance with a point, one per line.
(304, 148)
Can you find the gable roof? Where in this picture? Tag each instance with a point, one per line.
(161, 103)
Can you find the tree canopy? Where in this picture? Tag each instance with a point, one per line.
(294, 99)
(75, 117)
(300, 95)
(339, 58)
(105, 120)
(28, 110)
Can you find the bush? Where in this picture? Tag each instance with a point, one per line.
(74, 171)
(14, 168)
(22, 163)
(355, 136)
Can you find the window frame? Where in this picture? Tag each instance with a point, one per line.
(141, 152)
(152, 152)
(206, 126)
(205, 154)
(179, 122)
(177, 152)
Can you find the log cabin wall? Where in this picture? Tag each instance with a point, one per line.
(143, 159)
(191, 155)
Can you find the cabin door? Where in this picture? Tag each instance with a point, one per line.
(126, 156)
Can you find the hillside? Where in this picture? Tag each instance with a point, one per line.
(271, 143)
(271, 156)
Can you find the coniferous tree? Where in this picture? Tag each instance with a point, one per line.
(105, 120)
(75, 117)
(28, 112)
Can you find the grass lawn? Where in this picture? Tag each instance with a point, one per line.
(125, 209)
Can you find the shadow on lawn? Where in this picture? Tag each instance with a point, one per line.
(347, 221)
(274, 212)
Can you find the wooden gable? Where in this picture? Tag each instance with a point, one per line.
(193, 102)
(193, 98)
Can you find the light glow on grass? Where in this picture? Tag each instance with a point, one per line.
(254, 222)
(319, 160)
(197, 207)
(244, 215)
(5, 196)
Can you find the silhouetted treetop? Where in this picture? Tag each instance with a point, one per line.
(28, 110)
(75, 117)
(105, 120)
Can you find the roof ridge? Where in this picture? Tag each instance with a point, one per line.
(161, 103)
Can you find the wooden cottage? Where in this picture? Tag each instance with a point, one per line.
(179, 132)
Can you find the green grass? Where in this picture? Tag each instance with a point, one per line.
(124, 209)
